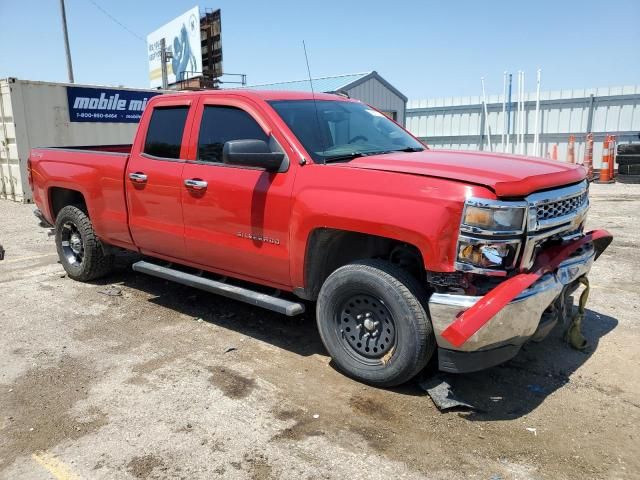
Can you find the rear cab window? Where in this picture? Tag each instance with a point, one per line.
(165, 131)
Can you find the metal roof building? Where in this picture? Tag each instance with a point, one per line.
(368, 87)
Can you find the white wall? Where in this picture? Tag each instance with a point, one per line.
(456, 122)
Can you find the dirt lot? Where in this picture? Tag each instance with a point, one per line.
(164, 381)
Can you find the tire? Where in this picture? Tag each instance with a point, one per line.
(388, 305)
(629, 149)
(628, 159)
(628, 178)
(629, 169)
(79, 248)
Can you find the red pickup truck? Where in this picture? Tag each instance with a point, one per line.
(281, 198)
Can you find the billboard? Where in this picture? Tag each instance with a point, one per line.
(182, 39)
(106, 104)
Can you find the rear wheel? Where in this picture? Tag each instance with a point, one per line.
(373, 323)
(79, 248)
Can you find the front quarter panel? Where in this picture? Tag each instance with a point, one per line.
(421, 211)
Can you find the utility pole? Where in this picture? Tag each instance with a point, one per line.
(66, 41)
(164, 56)
(509, 114)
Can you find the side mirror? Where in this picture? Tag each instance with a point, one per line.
(251, 153)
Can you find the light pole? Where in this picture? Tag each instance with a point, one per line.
(66, 41)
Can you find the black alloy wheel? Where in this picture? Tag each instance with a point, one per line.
(80, 251)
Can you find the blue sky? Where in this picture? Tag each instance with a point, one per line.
(424, 48)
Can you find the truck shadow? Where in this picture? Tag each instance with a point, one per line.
(505, 392)
(296, 334)
(519, 386)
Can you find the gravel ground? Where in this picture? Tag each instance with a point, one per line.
(163, 381)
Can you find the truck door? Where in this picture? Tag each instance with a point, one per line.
(236, 219)
(154, 179)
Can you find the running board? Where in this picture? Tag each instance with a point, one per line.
(258, 299)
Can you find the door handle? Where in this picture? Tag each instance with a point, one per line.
(138, 177)
(195, 184)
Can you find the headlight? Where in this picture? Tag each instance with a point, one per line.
(505, 219)
(491, 235)
(487, 254)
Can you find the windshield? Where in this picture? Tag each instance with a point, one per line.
(341, 130)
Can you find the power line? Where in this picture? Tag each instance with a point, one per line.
(114, 19)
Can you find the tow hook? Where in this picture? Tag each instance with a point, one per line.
(573, 336)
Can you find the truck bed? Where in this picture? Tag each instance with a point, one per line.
(97, 172)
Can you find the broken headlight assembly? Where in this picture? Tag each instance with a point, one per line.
(486, 254)
(490, 236)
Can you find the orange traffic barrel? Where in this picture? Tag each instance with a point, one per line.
(605, 177)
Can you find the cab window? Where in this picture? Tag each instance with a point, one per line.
(164, 135)
(221, 124)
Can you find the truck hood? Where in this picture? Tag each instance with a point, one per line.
(507, 175)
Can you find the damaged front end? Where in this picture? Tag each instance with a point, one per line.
(519, 293)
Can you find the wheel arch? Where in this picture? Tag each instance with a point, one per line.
(60, 197)
(328, 249)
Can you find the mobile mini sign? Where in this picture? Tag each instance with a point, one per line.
(106, 105)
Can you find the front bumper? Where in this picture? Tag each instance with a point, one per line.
(502, 336)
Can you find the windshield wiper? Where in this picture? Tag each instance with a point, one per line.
(351, 156)
(410, 149)
(348, 156)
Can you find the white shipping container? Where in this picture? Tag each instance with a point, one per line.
(36, 114)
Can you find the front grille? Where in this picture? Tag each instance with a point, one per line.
(551, 210)
(554, 215)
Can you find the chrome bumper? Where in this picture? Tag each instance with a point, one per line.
(519, 320)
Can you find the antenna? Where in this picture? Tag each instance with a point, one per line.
(313, 94)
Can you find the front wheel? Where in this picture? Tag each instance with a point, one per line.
(373, 323)
(78, 247)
